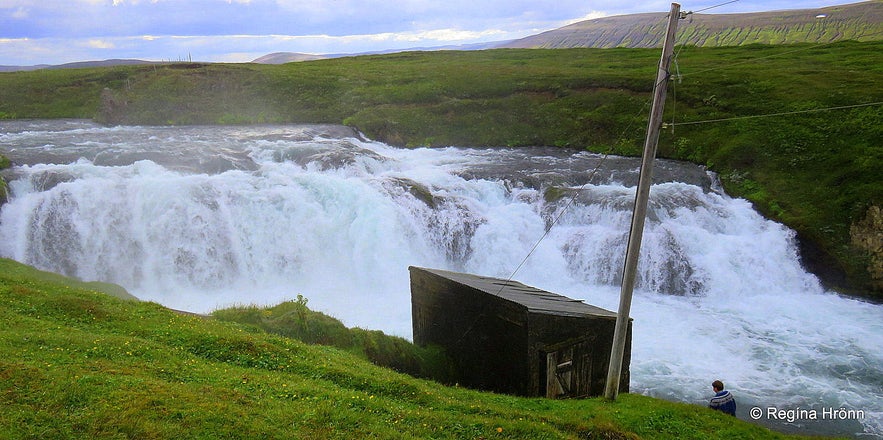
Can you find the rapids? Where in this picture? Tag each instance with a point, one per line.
(199, 218)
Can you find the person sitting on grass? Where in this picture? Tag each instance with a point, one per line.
(723, 400)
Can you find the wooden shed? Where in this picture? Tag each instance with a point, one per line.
(511, 338)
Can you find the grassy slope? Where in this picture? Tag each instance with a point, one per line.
(816, 172)
(861, 21)
(75, 363)
(294, 320)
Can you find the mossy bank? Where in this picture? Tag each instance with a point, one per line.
(793, 128)
(4, 187)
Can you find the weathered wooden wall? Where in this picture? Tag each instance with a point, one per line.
(500, 334)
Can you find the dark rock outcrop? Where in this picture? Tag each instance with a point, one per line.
(867, 235)
(112, 110)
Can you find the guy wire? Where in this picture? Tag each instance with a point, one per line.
(581, 188)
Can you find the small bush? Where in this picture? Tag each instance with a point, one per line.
(293, 319)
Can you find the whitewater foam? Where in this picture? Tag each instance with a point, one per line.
(292, 210)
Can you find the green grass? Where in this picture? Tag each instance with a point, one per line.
(295, 320)
(77, 363)
(817, 172)
(4, 187)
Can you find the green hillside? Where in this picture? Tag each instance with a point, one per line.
(862, 21)
(79, 364)
(814, 165)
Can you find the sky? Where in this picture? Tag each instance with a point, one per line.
(53, 32)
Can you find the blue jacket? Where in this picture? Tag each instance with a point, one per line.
(724, 401)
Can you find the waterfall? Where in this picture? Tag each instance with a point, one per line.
(198, 218)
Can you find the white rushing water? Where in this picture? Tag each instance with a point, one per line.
(198, 218)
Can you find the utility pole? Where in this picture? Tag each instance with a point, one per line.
(640, 209)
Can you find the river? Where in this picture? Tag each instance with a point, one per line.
(198, 218)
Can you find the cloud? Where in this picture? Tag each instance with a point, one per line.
(105, 18)
(101, 44)
(57, 31)
(20, 13)
(445, 35)
(590, 16)
(231, 48)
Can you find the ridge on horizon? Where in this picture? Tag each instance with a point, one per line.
(857, 21)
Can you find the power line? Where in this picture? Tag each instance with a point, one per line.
(679, 76)
(575, 194)
(752, 60)
(712, 7)
(842, 107)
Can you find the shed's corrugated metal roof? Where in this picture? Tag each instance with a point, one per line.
(536, 300)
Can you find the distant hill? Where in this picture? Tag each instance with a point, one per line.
(101, 63)
(78, 64)
(287, 57)
(23, 68)
(858, 21)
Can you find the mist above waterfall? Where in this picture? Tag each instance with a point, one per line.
(198, 218)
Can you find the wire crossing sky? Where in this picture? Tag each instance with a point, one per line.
(60, 31)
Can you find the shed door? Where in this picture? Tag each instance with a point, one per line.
(569, 370)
